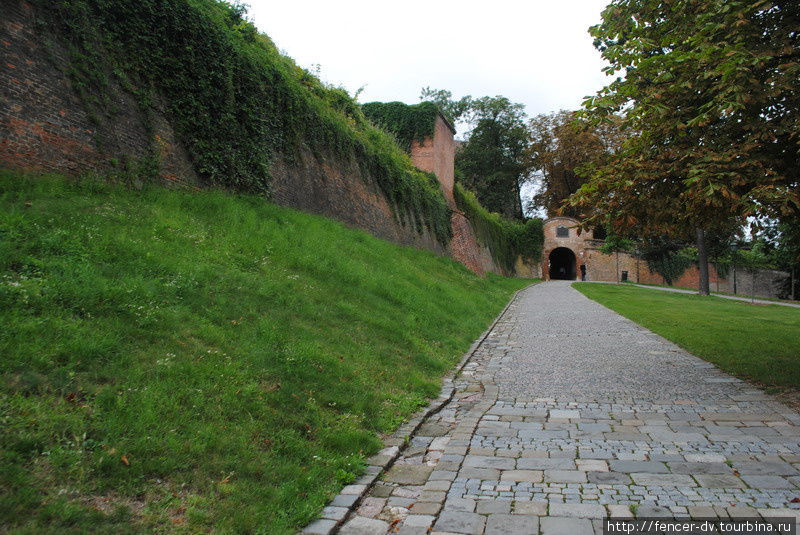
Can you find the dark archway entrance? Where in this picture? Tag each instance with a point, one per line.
(562, 264)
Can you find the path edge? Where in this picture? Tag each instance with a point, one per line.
(333, 516)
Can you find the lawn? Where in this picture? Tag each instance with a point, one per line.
(178, 362)
(751, 341)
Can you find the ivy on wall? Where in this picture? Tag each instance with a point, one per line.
(670, 264)
(505, 239)
(233, 99)
(407, 122)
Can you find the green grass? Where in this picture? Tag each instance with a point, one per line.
(713, 292)
(755, 342)
(180, 362)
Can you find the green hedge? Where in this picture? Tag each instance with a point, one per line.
(232, 97)
(407, 122)
(505, 239)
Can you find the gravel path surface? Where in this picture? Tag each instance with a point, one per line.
(568, 413)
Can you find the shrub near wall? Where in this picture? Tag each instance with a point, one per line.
(233, 99)
(505, 239)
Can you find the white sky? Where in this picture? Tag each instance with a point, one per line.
(537, 52)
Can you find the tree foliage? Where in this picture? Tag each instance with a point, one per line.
(710, 87)
(563, 150)
(491, 162)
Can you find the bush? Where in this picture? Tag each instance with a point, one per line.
(505, 239)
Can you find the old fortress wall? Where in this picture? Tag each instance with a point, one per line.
(45, 127)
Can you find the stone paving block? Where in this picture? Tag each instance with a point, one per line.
(564, 476)
(346, 500)
(319, 527)
(360, 525)
(486, 474)
(609, 478)
(780, 512)
(629, 467)
(530, 508)
(419, 521)
(705, 458)
(767, 482)
(408, 474)
(505, 524)
(334, 513)
(565, 526)
(532, 476)
(701, 512)
(485, 507)
(578, 510)
(655, 511)
(773, 468)
(479, 461)
(460, 522)
(720, 481)
(592, 465)
(663, 480)
(699, 468)
(353, 489)
(460, 504)
(371, 507)
(437, 484)
(619, 511)
(742, 512)
(432, 496)
(425, 508)
(740, 416)
(533, 463)
(561, 413)
(410, 530)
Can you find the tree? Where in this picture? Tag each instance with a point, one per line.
(452, 109)
(491, 162)
(711, 89)
(616, 243)
(562, 151)
(783, 238)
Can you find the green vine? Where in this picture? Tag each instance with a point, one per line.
(670, 264)
(233, 99)
(505, 239)
(407, 122)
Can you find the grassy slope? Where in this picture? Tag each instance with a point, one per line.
(180, 362)
(758, 342)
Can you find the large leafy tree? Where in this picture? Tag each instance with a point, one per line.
(492, 160)
(563, 149)
(711, 89)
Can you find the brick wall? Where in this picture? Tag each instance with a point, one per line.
(339, 190)
(45, 127)
(437, 155)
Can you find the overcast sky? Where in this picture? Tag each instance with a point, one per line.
(537, 52)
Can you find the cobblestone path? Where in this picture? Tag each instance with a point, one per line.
(569, 413)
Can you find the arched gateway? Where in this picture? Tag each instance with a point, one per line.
(562, 264)
(565, 249)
